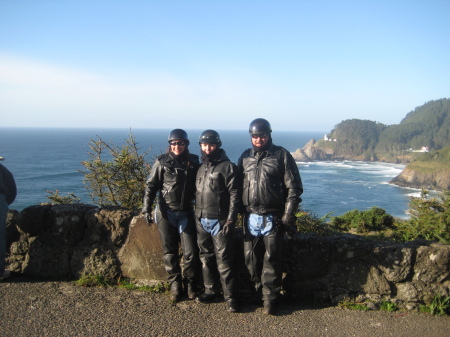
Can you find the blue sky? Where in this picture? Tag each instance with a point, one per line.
(303, 65)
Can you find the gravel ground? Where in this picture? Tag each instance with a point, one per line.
(34, 308)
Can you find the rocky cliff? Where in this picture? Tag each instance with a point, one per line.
(416, 175)
(322, 151)
(67, 241)
(417, 178)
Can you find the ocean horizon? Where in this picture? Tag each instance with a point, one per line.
(49, 159)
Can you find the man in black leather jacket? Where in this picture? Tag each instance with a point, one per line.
(271, 194)
(216, 209)
(8, 193)
(172, 178)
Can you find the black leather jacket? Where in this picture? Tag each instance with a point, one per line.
(174, 181)
(271, 181)
(218, 193)
(7, 185)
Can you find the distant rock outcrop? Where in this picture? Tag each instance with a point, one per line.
(415, 178)
(310, 153)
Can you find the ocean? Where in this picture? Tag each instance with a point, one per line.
(49, 159)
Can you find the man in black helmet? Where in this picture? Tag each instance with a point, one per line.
(217, 205)
(271, 194)
(172, 178)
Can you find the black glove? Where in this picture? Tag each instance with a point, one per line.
(227, 226)
(148, 217)
(288, 221)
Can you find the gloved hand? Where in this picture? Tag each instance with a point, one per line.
(227, 227)
(148, 217)
(288, 221)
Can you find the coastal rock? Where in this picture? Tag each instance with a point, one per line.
(300, 155)
(310, 153)
(434, 180)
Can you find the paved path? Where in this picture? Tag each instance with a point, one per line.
(33, 308)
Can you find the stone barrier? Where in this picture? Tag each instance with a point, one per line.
(68, 241)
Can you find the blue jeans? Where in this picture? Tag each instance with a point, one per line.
(3, 213)
(179, 220)
(212, 226)
(260, 225)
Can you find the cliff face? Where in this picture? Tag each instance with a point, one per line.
(416, 178)
(310, 152)
(313, 151)
(416, 175)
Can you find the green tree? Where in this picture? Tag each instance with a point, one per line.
(429, 219)
(374, 219)
(356, 136)
(116, 175)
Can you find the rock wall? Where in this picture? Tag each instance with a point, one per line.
(67, 241)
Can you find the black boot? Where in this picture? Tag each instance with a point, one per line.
(232, 305)
(175, 292)
(191, 289)
(269, 308)
(206, 297)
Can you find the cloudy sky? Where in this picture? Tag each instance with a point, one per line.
(304, 65)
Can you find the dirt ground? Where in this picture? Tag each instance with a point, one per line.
(35, 308)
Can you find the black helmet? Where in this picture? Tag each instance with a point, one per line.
(178, 134)
(210, 137)
(259, 125)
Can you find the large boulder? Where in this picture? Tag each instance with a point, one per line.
(141, 255)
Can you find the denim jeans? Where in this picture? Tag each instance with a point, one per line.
(3, 213)
(212, 226)
(260, 225)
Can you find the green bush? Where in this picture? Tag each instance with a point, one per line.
(429, 219)
(374, 219)
(119, 181)
(56, 198)
(309, 223)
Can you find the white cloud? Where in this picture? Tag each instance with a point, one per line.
(78, 97)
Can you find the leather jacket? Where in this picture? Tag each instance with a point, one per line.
(218, 193)
(271, 181)
(7, 185)
(174, 181)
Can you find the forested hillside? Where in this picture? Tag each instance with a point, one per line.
(426, 126)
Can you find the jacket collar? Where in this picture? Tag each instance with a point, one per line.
(270, 150)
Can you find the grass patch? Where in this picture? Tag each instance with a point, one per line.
(159, 287)
(125, 283)
(439, 306)
(352, 305)
(388, 306)
(92, 281)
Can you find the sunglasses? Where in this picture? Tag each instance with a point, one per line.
(260, 135)
(175, 143)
